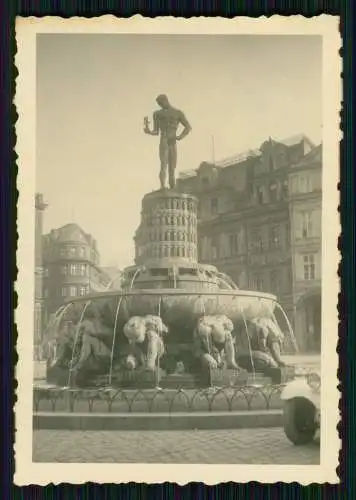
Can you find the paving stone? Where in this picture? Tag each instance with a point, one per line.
(245, 446)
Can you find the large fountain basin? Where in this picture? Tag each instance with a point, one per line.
(185, 306)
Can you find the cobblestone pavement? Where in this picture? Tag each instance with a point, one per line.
(245, 446)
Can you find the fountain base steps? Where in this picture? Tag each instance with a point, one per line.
(157, 421)
(141, 379)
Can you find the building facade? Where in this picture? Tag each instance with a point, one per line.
(245, 219)
(71, 266)
(305, 209)
(40, 207)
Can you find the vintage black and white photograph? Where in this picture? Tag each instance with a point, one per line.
(178, 304)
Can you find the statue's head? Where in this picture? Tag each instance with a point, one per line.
(162, 101)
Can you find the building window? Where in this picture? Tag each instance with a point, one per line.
(257, 282)
(72, 251)
(78, 269)
(305, 184)
(273, 192)
(293, 184)
(64, 270)
(275, 282)
(73, 291)
(214, 253)
(82, 252)
(64, 291)
(271, 162)
(83, 290)
(309, 267)
(260, 195)
(256, 240)
(287, 235)
(214, 206)
(289, 278)
(275, 236)
(233, 244)
(307, 227)
(62, 252)
(285, 190)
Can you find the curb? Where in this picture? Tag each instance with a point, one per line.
(156, 421)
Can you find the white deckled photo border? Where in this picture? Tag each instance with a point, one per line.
(29, 472)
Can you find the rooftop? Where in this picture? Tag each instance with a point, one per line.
(70, 232)
(251, 153)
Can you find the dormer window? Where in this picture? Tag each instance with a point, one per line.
(214, 206)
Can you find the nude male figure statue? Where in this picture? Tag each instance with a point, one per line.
(165, 123)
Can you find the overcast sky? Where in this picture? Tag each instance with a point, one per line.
(94, 163)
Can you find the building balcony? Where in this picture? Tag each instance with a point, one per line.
(307, 242)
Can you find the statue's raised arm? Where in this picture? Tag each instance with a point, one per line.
(146, 127)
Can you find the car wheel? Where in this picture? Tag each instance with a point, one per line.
(299, 421)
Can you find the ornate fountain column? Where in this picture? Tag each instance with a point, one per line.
(166, 245)
(170, 218)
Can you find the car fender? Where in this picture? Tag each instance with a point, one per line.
(300, 389)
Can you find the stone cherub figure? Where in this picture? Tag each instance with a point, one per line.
(214, 343)
(165, 123)
(145, 335)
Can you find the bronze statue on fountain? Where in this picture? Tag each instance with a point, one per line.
(166, 121)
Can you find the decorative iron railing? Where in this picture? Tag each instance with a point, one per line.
(112, 400)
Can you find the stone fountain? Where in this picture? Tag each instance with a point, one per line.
(175, 323)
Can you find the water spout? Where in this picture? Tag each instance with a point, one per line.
(114, 339)
(160, 333)
(249, 347)
(76, 341)
(134, 277)
(174, 277)
(290, 329)
(60, 315)
(202, 303)
(108, 286)
(53, 328)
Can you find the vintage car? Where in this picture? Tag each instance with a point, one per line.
(301, 409)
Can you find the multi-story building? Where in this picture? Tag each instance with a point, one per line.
(71, 266)
(244, 225)
(40, 207)
(305, 204)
